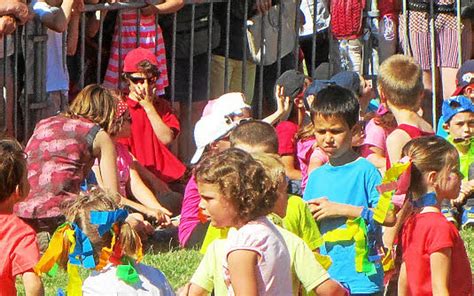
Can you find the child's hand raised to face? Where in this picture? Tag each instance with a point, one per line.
(143, 94)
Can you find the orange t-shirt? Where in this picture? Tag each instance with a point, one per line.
(19, 251)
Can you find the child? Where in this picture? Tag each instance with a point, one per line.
(458, 117)
(154, 124)
(435, 260)
(62, 150)
(17, 240)
(464, 86)
(131, 184)
(109, 246)
(334, 114)
(210, 134)
(307, 273)
(236, 192)
(401, 89)
(376, 133)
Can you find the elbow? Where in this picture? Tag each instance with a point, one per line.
(390, 221)
(59, 27)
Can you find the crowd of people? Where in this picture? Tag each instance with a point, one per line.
(341, 189)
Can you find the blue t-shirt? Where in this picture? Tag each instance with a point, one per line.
(355, 184)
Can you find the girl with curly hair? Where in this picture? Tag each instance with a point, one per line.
(236, 192)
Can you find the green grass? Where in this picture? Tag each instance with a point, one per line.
(179, 265)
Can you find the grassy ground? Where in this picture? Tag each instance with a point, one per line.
(179, 265)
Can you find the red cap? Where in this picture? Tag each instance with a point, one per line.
(134, 57)
(464, 77)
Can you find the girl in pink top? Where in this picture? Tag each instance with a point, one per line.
(236, 192)
(309, 155)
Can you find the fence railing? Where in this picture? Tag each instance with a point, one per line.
(23, 67)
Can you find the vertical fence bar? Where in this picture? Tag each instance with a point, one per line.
(189, 105)
(280, 37)
(458, 19)
(3, 79)
(99, 52)
(173, 58)
(137, 26)
(227, 44)
(433, 61)
(405, 28)
(15, 75)
(296, 28)
(83, 50)
(119, 37)
(313, 41)
(27, 82)
(263, 53)
(209, 48)
(244, 49)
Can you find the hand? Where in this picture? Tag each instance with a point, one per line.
(322, 208)
(299, 103)
(283, 103)
(263, 6)
(184, 290)
(143, 95)
(466, 190)
(7, 25)
(18, 10)
(78, 7)
(310, 100)
(160, 215)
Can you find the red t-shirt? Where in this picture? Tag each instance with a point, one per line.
(146, 147)
(19, 249)
(424, 234)
(286, 131)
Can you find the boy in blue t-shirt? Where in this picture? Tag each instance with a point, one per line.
(343, 190)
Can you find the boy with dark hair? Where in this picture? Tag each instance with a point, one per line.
(334, 115)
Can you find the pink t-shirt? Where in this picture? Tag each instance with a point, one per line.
(273, 267)
(375, 135)
(304, 153)
(189, 211)
(124, 161)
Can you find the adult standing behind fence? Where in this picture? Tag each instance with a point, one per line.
(12, 14)
(149, 36)
(236, 48)
(446, 41)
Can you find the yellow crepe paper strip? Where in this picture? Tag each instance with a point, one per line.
(54, 251)
(385, 201)
(356, 231)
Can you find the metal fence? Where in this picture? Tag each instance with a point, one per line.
(23, 67)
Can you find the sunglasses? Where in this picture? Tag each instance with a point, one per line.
(141, 80)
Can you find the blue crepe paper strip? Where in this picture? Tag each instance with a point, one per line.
(83, 253)
(106, 219)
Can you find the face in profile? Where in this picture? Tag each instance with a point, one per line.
(215, 206)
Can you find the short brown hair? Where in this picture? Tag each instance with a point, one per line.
(144, 67)
(400, 79)
(12, 167)
(96, 103)
(241, 179)
(428, 154)
(255, 133)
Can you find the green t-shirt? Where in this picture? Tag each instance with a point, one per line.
(465, 160)
(305, 269)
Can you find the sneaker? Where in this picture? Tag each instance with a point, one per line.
(467, 219)
(449, 212)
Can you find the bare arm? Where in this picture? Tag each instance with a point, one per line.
(395, 142)
(191, 289)
(163, 7)
(322, 208)
(402, 281)
(104, 150)
(33, 284)
(152, 181)
(243, 275)
(440, 264)
(59, 21)
(290, 170)
(330, 288)
(73, 34)
(142, 193)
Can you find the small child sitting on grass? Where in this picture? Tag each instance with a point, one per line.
(18, 243)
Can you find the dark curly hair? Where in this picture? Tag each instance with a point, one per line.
(12, 167)
(241, 179)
